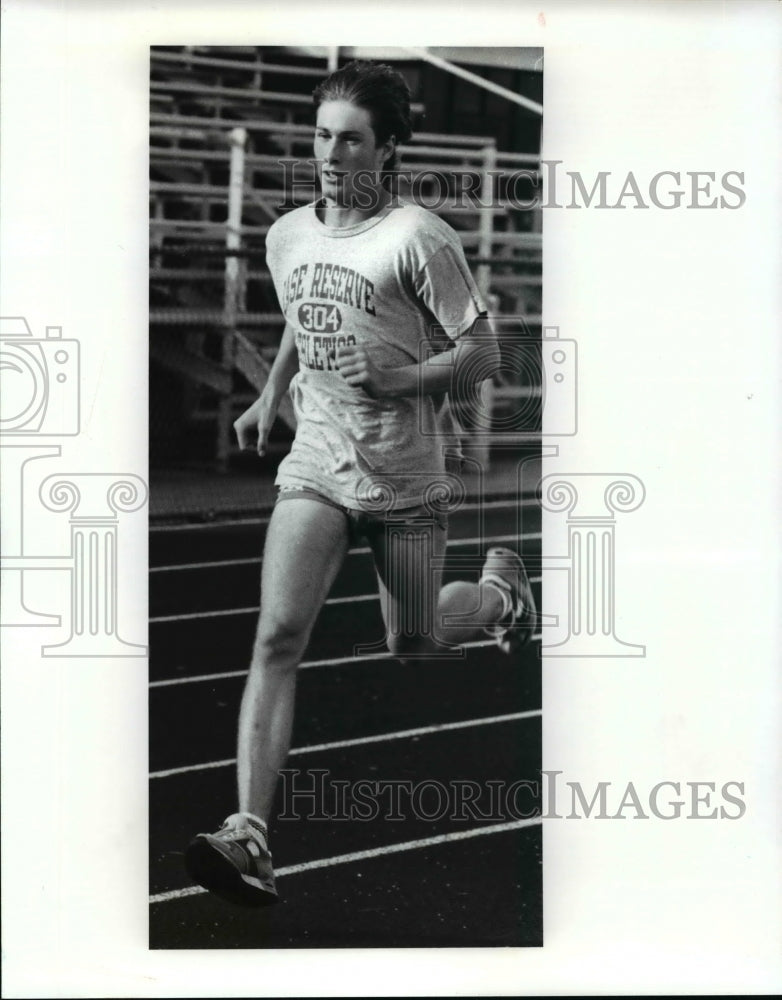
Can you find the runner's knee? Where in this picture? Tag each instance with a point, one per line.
(280, 643)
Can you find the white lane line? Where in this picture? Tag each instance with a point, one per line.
(362, 550)
(159, 619)
(191, 615)
(246, 611)
(441, 727)
(209, 564)
(336, 661)
(472, 505)
(374, 852)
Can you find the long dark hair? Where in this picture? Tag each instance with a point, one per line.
(380, 90)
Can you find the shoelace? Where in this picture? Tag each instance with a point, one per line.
(236, 833)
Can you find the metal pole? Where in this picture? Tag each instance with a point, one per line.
(478, 446)
(486, 219)
(233, 241)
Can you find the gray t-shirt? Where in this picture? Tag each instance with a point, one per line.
(392, 283)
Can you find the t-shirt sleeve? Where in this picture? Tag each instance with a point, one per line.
(447, 289)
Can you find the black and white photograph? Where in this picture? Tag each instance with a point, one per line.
(345, 415)
(389, 456)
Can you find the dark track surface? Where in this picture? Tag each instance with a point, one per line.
(485, 889)
(427, 898)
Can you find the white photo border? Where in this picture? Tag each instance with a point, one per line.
(676, 314)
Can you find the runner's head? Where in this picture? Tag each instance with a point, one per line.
(363, 111)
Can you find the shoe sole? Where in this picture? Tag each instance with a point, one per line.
(210, 869)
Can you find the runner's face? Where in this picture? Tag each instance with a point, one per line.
(345, 147)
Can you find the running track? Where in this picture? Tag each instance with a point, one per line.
(438, 874)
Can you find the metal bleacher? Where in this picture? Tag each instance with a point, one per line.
(214, 319)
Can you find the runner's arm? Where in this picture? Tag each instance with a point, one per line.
(473, 358)
(258, 418)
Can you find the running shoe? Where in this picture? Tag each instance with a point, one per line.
(234, 863)
(505, 569)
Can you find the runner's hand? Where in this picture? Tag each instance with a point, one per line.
(253, 426)
(358, 370)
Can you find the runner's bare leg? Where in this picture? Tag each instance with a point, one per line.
(306, 543)
(413, 600)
